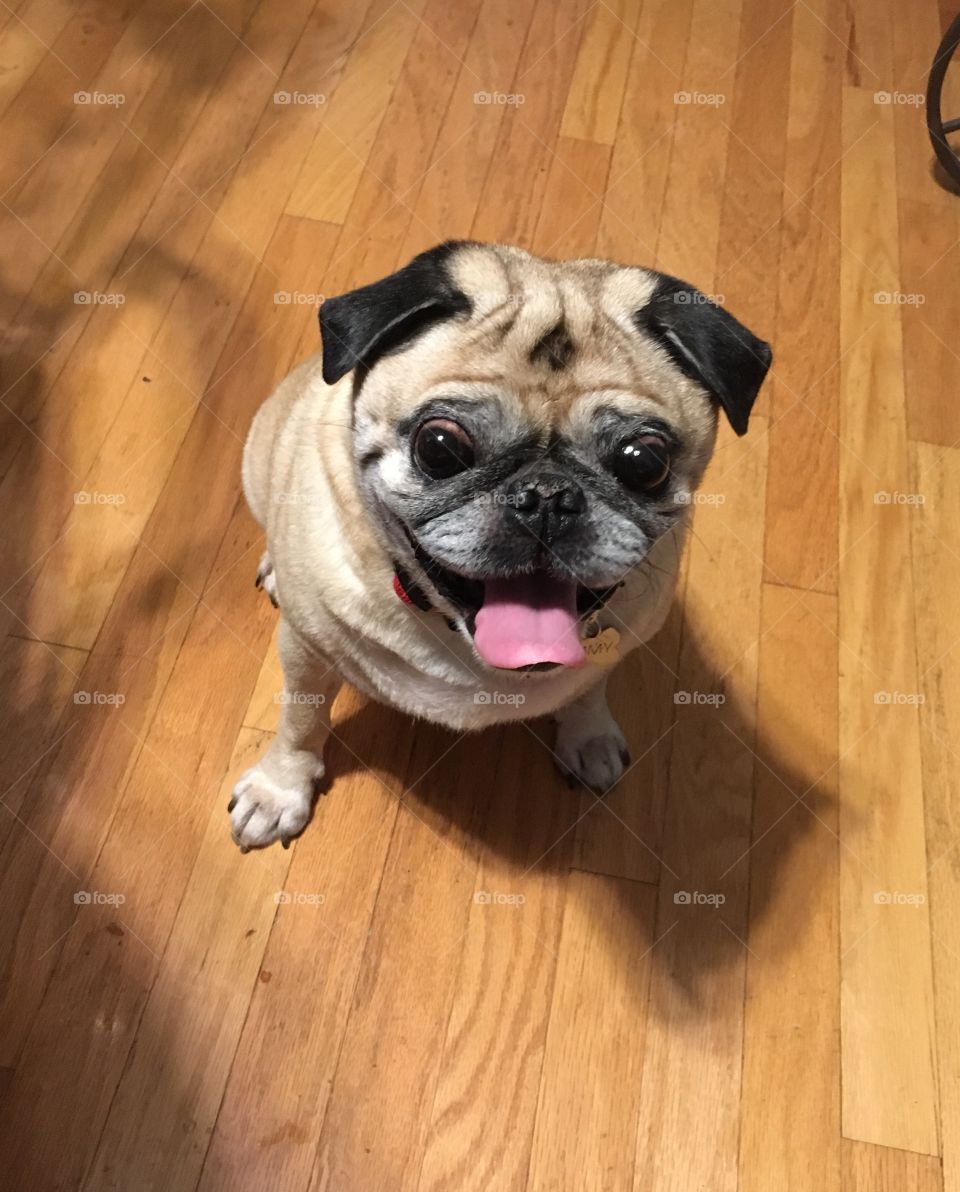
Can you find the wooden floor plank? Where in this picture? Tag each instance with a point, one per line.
(756, 110)
(871, 1168)
(306, 986)
(688, 241)
(53, 458)
(592, 109)
(930, 252)
(383, 205)
(65, 817)
(589, 1091)
(569, 220)
(633, 202)
(37, 684)
(395, 1032)
(84, 250)
(46, 199)
(27, 31)
(496, 1031)
(790, 1135)
(43, 107)
(801, 543)
(529, 128)
(929, 236)
(889, 1087)
(450, 192)
(162, 1115)
(140, 252)
(335, 163)
(936, 560)
(70, 1067)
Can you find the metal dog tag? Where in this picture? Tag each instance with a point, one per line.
(601, 646)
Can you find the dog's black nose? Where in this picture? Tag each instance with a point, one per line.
(546, 500)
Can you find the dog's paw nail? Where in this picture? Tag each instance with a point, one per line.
(231, 804)
(244, 849)
(263, 811)
(625, 757)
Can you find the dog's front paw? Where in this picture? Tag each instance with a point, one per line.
(591, 749)
(262, 811)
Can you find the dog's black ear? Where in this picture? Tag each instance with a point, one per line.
(708, 344)
(358, 327)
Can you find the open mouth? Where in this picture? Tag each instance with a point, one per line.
(521, 622)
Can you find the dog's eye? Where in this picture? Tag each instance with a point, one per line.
(643, 463)
(442, 448)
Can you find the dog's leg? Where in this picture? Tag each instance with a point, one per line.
(273, 799)
(590, 747)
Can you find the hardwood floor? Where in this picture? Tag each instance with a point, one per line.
(741, 971)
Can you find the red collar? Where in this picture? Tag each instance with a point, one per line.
(408, 591)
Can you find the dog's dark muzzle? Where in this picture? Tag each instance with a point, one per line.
(547, 505)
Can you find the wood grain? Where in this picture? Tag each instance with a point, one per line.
(889, 1091)
(497, 1026)
(801, 546)
(936, 547)
(871, 1168)
(590, 1085)
(790, 1136)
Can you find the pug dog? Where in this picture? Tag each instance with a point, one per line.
(483, 477)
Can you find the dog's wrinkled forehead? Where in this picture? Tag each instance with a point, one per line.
(546, 332)
(554, 329)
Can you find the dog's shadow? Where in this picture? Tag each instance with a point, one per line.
(711, 833)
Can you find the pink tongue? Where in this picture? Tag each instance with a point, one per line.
(526, 620)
